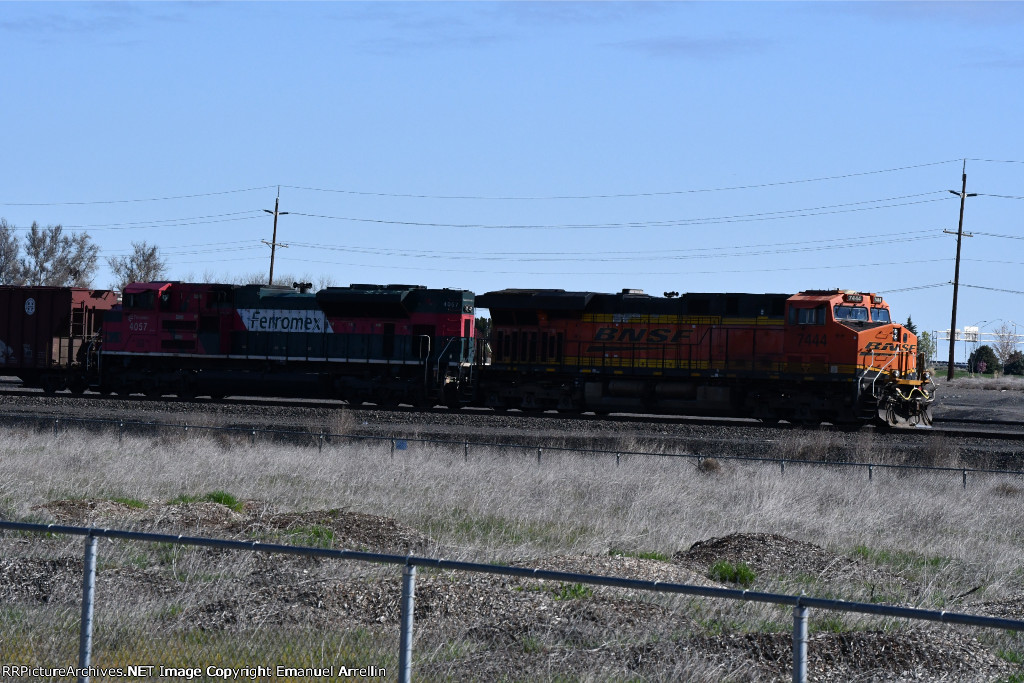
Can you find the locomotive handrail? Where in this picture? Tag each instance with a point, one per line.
(880, 370)
(426, 359)
(441, 354)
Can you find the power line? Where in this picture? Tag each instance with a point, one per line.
(859, 240)
(466, 271)
(994, 161)
(993, 289)
(1001, 196)
(130, 201)
(914, 288)
(1005, 237)
(681, 222)
(624, 194)
(670, 255)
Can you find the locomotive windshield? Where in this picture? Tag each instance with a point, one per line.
(880, 315)
(807, 316)
(843, 312)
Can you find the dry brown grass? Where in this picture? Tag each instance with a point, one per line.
(502, 504)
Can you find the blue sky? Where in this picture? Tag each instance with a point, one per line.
(662, 146)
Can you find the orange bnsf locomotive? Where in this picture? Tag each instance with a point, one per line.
(819, 356)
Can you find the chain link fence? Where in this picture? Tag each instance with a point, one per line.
(143, 605)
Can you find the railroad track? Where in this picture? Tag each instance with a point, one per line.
(968, 428)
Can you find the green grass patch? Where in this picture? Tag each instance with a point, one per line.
(573, 591)
(489, 528)
(532, 644)
(184, 499)
(727, 572)
(900, 559)
(222, 497)
(639, 554)
(315, 535)
(133, 503)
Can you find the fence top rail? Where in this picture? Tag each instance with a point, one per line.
(534, 447)
(524, 572)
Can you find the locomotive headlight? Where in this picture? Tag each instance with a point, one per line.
(896, 374)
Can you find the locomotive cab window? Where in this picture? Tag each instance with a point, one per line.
(140, 300)
(807, 316)
(880, 315)
(845, 312)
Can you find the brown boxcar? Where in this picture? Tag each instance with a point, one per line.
(46, 333)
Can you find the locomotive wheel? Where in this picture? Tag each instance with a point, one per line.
(51, 385)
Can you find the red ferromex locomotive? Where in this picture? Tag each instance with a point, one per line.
(818, 356)
(384, 344)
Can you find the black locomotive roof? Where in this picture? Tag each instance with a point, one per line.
(544, 299)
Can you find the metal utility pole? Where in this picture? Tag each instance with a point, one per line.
(273, 240)
(956, 273)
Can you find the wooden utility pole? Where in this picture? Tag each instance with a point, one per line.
(273, 240)
(956, 272)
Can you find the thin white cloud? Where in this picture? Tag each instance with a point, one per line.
(695, 48)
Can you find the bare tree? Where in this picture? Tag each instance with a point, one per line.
(58, 260)
(144, 264)
(10, 268)
(1005, 342)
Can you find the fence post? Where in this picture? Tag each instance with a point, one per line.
(617, 456)
(392, 449)
(782, 464)
(85, 629)
(254, 437)
(799, 643)
(871, 470)
(465, 452)
(538, 454)
(120, 431)
(321, 450)
(56, 422)
(405, 638)
(965, 477)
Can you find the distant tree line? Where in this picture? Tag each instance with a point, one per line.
(51, 257)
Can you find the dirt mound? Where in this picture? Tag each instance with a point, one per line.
(39, 580)
(330, 528)
(932, 655)
(767, 554)
(339, 529)
(85, 512)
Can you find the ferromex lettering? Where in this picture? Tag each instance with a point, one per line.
(270, 320)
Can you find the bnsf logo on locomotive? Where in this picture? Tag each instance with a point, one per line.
(660, 335)
(259, 320)
(888, 348)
